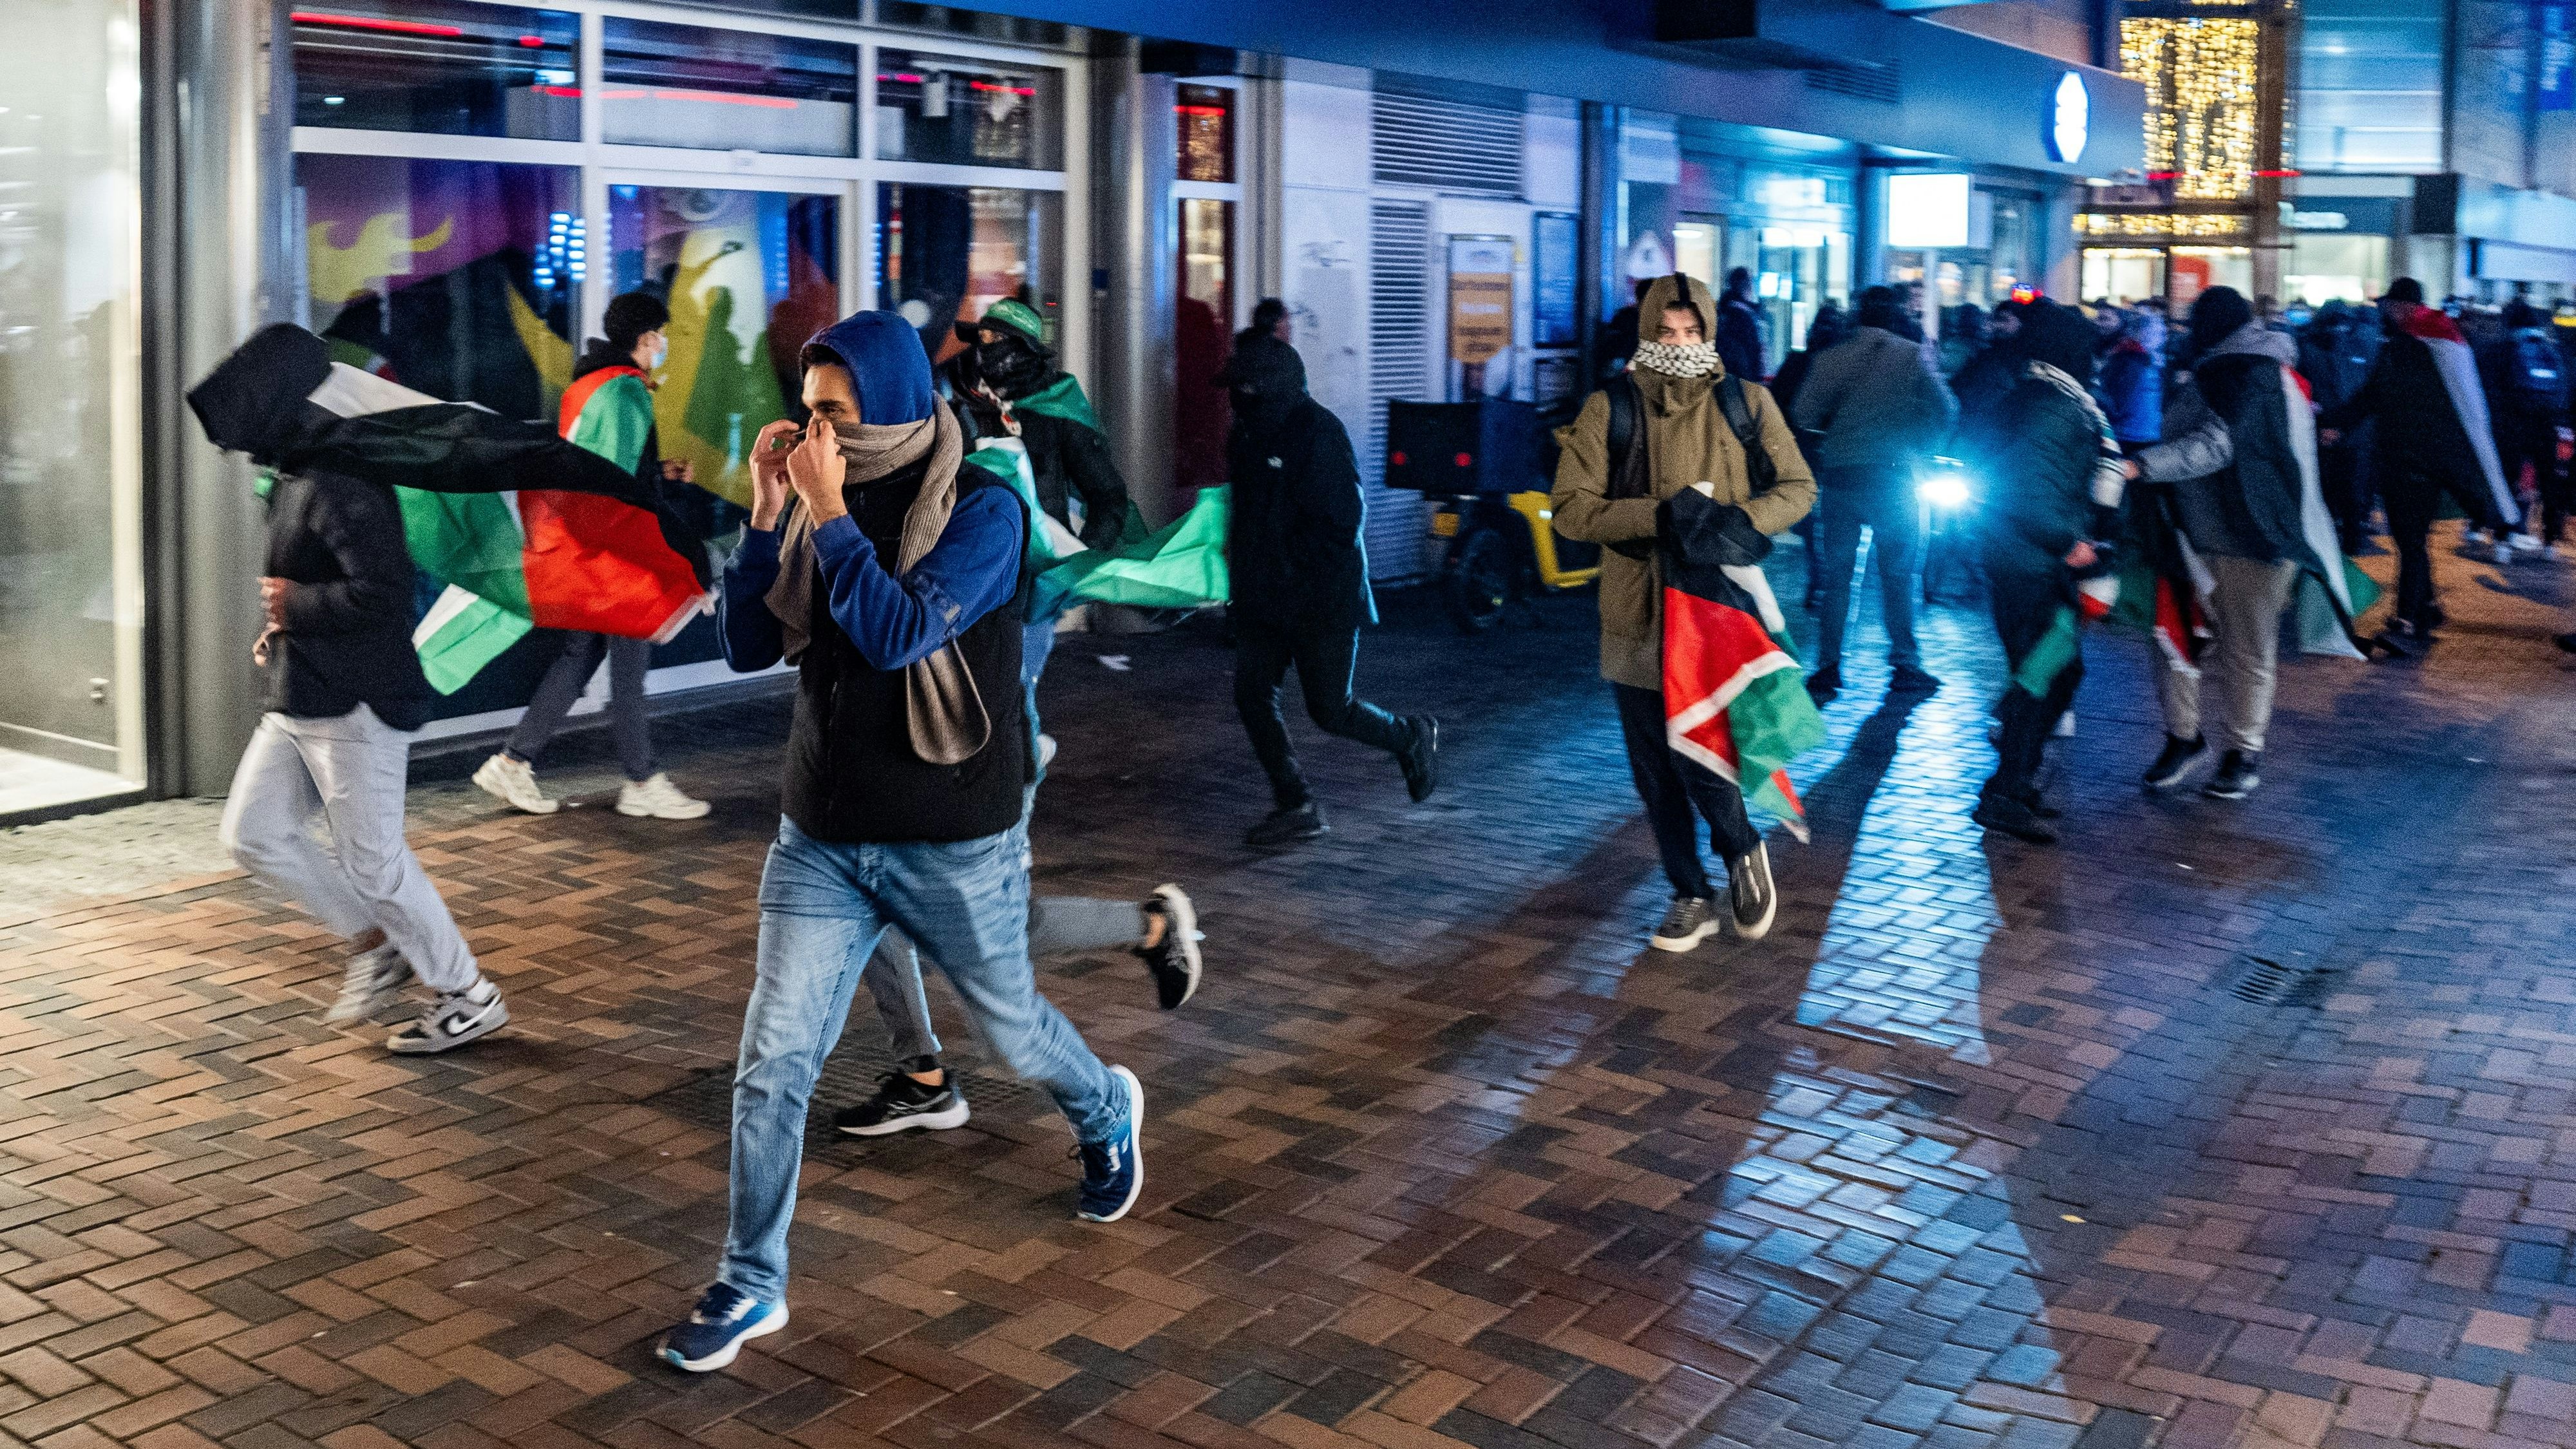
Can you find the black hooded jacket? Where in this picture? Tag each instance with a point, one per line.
(1293, 535)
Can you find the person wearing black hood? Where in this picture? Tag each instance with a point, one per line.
(609, 410)
(2050, 464)
(1300, 584)
(2334, 356)
(1997, 368)
(1739, 327)
(2228, 476)
(2526, 384)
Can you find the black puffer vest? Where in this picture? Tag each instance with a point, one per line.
(852, 776)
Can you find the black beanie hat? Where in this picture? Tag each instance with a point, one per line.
(2215, 316)
(2059, 336)
(2404, 289)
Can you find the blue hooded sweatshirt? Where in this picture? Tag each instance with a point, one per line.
(971, 571)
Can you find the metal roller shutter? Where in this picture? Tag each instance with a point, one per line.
(1447, 145)
(1399, 367)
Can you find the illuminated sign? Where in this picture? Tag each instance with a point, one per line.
(1927, 210)
(2070, 122)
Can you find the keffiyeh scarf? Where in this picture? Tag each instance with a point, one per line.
(1684, 359)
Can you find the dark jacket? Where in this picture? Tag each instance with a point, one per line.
(1739, 337)
(2416, 424)
(2334, 358)
(347, 640)
(1989, 376)
(2237, 485)
(1069, 461)
(2037, 450)
(1876, 401)
(2131, 381)
(1293, 547)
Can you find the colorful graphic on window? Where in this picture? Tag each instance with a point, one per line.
(457, 278)
(748, 276)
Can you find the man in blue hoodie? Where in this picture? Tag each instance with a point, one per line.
(888, 582)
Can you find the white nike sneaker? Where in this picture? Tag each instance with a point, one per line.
(453, 1020)
(658, 798)
(374, 981)
(514, 785)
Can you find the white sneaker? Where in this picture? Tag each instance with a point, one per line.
(514, 785)
(453, 1020)
(2065, 726)
(658, 798)
(2503, 554)
(1046, 750)
(2528, 543)
(374, 981)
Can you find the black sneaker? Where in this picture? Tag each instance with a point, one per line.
(1287, 827)
(1174, 960)
(2001, 812)
(904, 1105)
(1750, 891)
(2566, 642)
(1690, 921)
(2238, 775)
(1421, 759)
(2172, 763)
(1825, 683)
(1913, 679)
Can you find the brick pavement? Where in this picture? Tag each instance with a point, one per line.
(1977, 1149)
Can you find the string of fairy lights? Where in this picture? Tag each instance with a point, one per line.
(2201, 76)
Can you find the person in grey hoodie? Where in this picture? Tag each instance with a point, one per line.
(2230, 479)
(1881, 410)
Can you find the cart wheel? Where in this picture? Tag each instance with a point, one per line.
(1478, 581)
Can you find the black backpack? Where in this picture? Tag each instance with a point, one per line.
(2537, 374)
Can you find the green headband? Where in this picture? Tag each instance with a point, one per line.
(1017, 315)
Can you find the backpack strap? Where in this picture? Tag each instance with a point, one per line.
(1627, 476)
(1759, 471)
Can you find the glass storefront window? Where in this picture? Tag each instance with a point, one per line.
(945, 253)
(1205, 117)
(968, 112)
(2125, 275)
(1202, 329)
(458, 278)
(725, 90)
(1798, 270)
(71, 579)
(2194, 270)
(443, 67)
(749, 276)
(957, 20)
(2351, 267)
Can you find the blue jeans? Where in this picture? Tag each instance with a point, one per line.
(822, 908)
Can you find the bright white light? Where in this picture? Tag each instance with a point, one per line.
(1927, 209)
(1943, 490)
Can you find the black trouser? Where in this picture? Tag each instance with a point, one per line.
(1676, 789)
(2339, 479)
(2026, 606)
(2532, 438)
(2412, 494)
(1324, 658)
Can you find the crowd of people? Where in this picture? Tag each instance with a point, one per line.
(894, 543)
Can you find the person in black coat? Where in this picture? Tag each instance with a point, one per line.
(345, 692)
(1300, 583)
(2334, 356)
(1739, 328)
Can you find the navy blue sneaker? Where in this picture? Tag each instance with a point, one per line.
(717, 1327)
(1113, 1172)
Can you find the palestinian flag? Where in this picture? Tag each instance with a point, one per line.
(2459, 370)
(2332, 589)
(1178, 566)
(526, 528)
(1735, 701)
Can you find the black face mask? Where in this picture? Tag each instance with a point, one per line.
(1011, 367)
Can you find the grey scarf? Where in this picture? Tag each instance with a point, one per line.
(946, 715)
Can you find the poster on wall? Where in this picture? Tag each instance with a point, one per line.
(1480, 297)
(1554, 262)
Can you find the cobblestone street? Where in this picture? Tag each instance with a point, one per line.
(2217, 1124)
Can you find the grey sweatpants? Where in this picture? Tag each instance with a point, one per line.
(2241, 665)
(562, 686)
(346, 774)
(1058, 926)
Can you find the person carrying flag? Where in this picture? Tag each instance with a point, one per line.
(345, 692)
(2050, 464)
(1021, 392)
(609, 410)
(1667, 426)
(889, 587)
(2432, 437)
(2233, 478)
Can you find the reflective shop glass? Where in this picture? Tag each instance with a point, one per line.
(1202, 337)
(727, 90)
(954, 20)
(71, 609)
(800, 9)
(461, 279)
(749, 276)
(945, 253)
(962, 112)
(443, 67)
(1204, 119)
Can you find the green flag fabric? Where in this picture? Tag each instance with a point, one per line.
(1178, 566)
(2049, 657)
(1062, 398)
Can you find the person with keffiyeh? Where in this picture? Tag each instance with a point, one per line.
(2051, 468)
(888, 583)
